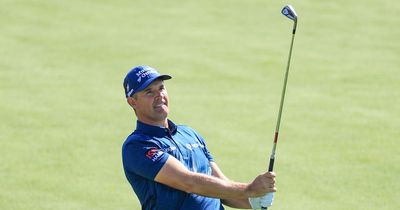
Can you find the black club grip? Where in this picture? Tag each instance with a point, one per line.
(271, 164)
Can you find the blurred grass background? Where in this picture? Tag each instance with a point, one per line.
(64, 116)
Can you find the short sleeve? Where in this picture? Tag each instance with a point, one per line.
(143, 158)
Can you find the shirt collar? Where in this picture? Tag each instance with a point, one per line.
(157, 131)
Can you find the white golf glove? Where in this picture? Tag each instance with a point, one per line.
(263, 201)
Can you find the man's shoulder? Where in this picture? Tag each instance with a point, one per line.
(185, 128)
(136, 138)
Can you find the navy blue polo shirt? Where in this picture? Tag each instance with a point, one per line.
(145, 152)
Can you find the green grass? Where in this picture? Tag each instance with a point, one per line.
(64, 117)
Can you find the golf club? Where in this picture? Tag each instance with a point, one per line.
(289, 12)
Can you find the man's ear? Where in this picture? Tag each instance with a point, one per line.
(131, 101)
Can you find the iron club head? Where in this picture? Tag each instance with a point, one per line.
(289, 12)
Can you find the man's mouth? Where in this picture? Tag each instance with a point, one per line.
(160, 105)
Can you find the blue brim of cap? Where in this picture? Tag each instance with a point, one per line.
(148, 82)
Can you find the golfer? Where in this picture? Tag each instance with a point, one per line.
(169, 166)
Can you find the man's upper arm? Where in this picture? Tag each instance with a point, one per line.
(174, 174)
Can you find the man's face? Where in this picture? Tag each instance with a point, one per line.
(151, 104)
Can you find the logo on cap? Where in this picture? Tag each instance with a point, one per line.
(139, 78)
(145, 72)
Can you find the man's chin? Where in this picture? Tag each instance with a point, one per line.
(162, 114)
(162, 110)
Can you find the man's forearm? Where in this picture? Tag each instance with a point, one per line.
(215, 187)
(175, 175)
(242, 203)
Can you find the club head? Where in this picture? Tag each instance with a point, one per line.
(289, 12)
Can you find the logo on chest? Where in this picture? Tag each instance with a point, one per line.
(193, 146)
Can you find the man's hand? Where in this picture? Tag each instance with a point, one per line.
(264, 201)
(262, 190)
(262, 184)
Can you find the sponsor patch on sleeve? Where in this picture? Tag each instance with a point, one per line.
(154, 154)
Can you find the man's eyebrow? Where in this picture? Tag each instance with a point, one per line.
(150, 87)
(147, 89)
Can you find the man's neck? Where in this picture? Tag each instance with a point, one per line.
(163, 123)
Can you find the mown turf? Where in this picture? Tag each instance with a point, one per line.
(64, 117)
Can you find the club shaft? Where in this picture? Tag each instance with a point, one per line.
(278, 122)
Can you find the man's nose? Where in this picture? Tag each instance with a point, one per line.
(159, 94)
